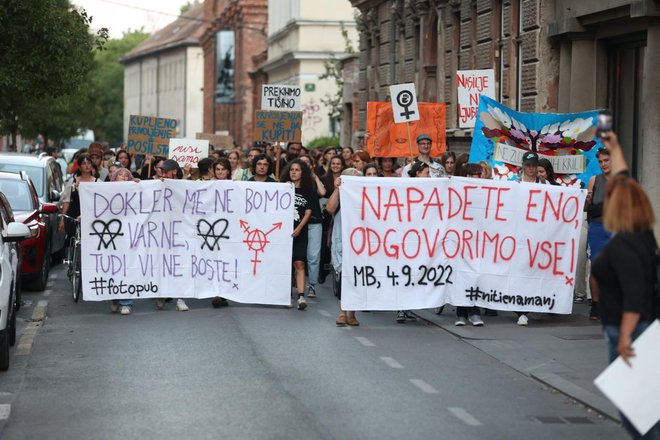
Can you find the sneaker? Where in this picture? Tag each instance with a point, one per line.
(302, 304)
(125, 310)
(476, 320)
(218, 302)
(160, 303)
(401, 317)
(594, 314)
(409, 316)
(114, 306)
(579, 300)
(522, 320)
(460, 322)
(181, 305)
(311, 291)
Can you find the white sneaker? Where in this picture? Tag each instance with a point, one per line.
(302, 304)
(181, 305)
(522, 320)
(460, 322)
(125, 310)
(476, 320)
(311, 291)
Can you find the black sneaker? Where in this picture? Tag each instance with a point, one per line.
(594, 313)
(401, 317)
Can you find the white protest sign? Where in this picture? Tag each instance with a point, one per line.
(187, 239)
(188, 151)
(635, 390)
(421, 243)
(566, 164)
(471, 85)
(280, 97)
(404, 103)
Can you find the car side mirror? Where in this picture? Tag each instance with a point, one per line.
(16, 231)
(49, 208)
(54, 195)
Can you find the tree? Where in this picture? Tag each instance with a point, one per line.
(334, 70)
(189, 4)
(45, 54)
(108, 87)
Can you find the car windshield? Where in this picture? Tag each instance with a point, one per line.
(18, 194)
(35, 173)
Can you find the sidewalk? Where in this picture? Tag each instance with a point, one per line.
(565, 352)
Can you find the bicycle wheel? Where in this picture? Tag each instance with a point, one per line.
(76, 281)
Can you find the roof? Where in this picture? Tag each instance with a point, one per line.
(184, 31)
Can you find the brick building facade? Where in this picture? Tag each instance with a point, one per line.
(234, 46)
(548, 56)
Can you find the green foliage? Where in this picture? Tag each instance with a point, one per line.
(46, 53)
(334, 70)
(189, 4)
(323, 141)
(107, 87)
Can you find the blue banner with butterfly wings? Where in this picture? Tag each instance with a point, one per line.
(568, 141)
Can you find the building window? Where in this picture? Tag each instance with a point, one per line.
(225, 57)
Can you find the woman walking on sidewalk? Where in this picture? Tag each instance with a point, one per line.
(626, 268)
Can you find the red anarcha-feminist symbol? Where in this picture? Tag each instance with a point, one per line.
(257, 240)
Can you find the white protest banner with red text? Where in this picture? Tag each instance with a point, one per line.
(187, 239)
(421, 243)
(471, 85)
(188, 151)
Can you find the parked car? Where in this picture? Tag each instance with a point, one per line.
(10, 233)
(35, 251)
(48, 181)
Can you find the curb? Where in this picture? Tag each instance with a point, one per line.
(592, 401)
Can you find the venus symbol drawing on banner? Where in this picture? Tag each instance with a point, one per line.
(256, 241)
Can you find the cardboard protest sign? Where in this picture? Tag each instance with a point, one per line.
(277, 126)
(219, 141)
(471, 85)
(404, 103)
(280, 97)
(150, 135)
(421, 243)
(388, 139)
(188, 151)
(569, 141)
(187, 239)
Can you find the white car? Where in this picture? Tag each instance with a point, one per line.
(10, 233)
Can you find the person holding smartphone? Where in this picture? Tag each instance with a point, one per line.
(597, 235)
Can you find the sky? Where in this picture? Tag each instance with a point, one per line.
(121, 15)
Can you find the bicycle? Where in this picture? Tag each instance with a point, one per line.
(73, 261)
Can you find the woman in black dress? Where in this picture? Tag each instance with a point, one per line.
(298, 173)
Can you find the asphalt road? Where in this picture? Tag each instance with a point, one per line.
(255, 372)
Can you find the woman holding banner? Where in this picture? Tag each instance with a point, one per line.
(298, 173)
(625, 270)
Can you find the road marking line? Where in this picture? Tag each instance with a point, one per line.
(465, 416)
(47, 292)
(27, 339)
(39, 312)
(391, 362)
(324, 313)
(5, 411)
(54, 276)
(425, 387)
(364, 341)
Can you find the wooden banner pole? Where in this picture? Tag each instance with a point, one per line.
(410, 142)
(277, 162)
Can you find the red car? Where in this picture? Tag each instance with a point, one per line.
(36, 250)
